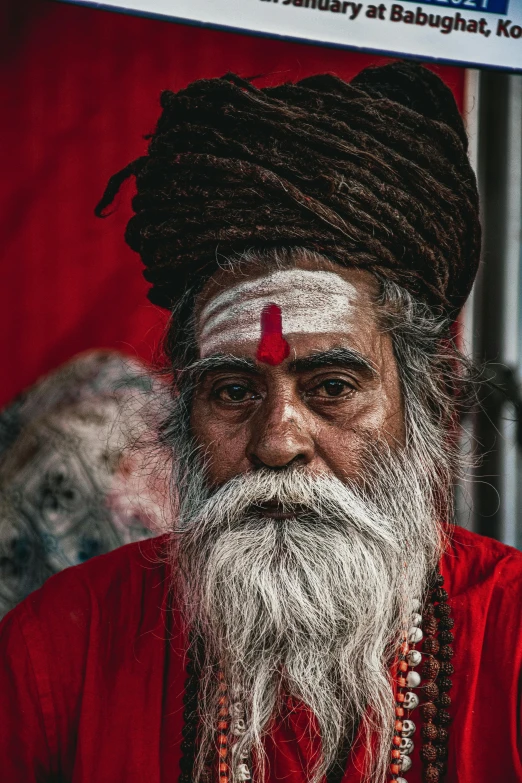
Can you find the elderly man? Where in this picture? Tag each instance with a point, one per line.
(313, 615)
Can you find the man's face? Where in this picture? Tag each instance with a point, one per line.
(297, 372)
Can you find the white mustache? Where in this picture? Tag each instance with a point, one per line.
(315, 497)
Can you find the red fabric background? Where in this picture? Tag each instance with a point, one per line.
(79, 88)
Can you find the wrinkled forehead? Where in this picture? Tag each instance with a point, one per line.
(309, 301)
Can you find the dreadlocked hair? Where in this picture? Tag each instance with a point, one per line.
(372, 173)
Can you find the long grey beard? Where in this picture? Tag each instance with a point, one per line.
(310, 607)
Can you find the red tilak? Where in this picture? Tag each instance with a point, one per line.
(273, 348)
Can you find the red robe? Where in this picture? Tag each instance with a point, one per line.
(92, 675)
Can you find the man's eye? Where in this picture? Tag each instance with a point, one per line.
(235, 392)
(333, 388)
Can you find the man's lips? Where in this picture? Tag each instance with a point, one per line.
(274, 510)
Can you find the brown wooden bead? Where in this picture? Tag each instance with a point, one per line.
(446, 637)
(446, 623)
(430, 668)
(431, 646)
(431, 774)
(445, 684)
(440, 594)
(429, 711)
(429, 626)
(442, 610)
(429, 732)
(442, 752)
(428, 753)
(447, 669)
(443, 717)
(431, 691)
(441, 766)
(429, 610)
(442, 736)
(443, 700)
(446, 652)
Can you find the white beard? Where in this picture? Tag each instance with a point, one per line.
(311, 606)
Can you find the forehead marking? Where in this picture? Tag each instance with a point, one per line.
(312, 302)
(273, 348)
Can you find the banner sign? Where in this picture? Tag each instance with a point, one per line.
(466, 32)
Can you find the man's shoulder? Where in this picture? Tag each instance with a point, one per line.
(91, 633)
(474, 562)
(120, 581)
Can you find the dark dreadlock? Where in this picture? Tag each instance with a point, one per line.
(373, 174)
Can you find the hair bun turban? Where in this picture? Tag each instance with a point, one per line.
(372, 174)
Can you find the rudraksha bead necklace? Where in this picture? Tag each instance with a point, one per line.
(433, 629)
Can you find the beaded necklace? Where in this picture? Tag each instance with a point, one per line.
(432, 628)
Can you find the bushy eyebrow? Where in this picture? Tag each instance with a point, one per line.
(221, 363)
(335, 357)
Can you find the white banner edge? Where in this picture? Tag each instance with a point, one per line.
(288, 38)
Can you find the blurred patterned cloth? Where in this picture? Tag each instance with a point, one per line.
(80, 469)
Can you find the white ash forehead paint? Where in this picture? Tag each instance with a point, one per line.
(312, 302)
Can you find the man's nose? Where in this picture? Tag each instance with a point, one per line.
(279, 436)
